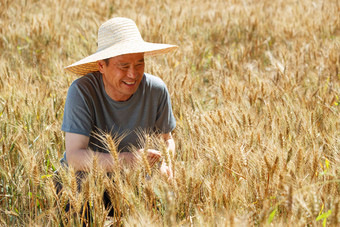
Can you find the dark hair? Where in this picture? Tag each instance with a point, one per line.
(107, 61)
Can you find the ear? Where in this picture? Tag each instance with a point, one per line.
(101, 64)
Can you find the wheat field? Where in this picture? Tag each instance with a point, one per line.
(255, 89)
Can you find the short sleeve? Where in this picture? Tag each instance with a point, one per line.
(77, 113)
(165, 120)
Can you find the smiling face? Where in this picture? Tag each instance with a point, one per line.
(122, 75)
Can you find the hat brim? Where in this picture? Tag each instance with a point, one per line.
(89, 64)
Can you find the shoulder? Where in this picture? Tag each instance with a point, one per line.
(154, 82)
(86, 84)
(87, 80)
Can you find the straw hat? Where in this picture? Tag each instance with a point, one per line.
(118, 36)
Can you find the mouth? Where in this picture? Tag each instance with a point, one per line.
(129, 82)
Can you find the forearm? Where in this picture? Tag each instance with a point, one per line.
(82, 160)
(170, 143)
(166, 167)
(127, 159)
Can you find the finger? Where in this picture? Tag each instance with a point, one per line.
(158, 159)
(151, 160)
(155, 152)
(154, 160)
(154, 157)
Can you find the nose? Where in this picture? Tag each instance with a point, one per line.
(132, 72)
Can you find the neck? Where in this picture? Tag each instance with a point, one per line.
(111, 92)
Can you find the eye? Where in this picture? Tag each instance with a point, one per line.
(124, 68)
(139, 65)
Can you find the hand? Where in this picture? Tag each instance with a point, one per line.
(153, 156)
(166, 170)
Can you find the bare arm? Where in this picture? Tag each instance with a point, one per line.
(170, 143)
(81, 158)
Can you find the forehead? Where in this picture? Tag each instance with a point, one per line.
(128, 58)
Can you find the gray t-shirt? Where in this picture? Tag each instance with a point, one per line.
(89, 110)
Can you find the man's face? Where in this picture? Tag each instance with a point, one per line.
(122, 75)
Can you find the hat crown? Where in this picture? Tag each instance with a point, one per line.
(117, 30)
(118, 36)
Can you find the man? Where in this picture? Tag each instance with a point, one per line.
(115, 96)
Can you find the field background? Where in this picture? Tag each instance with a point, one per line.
(255, 87)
